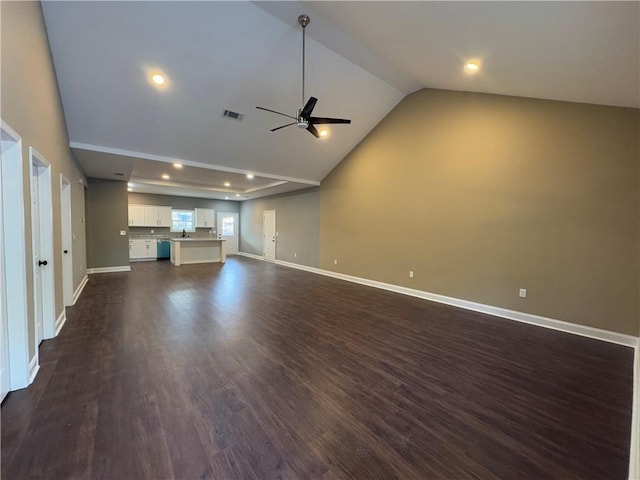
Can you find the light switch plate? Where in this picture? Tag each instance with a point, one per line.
(123, 232)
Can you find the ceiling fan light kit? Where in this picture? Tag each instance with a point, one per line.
(303, 119)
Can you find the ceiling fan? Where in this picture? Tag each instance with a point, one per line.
(304, 118)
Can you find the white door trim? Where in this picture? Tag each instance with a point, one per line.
(45, 217)
(15, 263)
(5, 374)
(66, 234)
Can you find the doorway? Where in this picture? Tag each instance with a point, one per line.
(67, 241)
(13, 294)
(42, 244)
(227, 227)
(269, 235)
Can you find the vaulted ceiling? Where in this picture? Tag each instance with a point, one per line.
(362, 59)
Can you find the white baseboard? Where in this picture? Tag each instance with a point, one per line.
(124, 268)
(634, 456)
(34, 366)
(582, 330)
(60, 321)
(251, 255)
(79, 290)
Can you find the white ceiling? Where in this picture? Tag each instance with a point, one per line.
(362, 59)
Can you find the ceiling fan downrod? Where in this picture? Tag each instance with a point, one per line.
(303, 21)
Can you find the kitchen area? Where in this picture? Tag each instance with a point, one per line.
(181, 234)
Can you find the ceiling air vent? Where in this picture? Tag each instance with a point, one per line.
(234, 115)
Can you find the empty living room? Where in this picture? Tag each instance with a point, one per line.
(320, 240)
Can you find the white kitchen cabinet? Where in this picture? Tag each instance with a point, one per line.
(164, 216)
(136, 215)
(143, 249)
(205, 218)
(149, 216)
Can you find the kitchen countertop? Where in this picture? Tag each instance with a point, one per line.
(167, 238)
(197, 239)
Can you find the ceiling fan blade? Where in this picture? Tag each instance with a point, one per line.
(282, 126)
(279, 113)
(313, 131)
(324, 120)
(308, 108)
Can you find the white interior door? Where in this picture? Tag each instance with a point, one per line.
(67, 235)
(228, 230)
(269, 234)
(42, 241)
(5, 381)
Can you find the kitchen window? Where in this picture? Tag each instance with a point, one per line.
(183, 220)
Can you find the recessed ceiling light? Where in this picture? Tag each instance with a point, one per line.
(226, 198)
(227, 184)
(157, 78)
(165, 176)
(250, 176)
(177, 165)
(129, 189)
(129, 184)
(324, 132)
(472, 67)
(237, 194)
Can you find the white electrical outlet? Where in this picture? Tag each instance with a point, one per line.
(410, 273)
(523, 293)
(335, 261)
(123, 232)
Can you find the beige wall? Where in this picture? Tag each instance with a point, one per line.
(481, 195)
(30, 104)
(297, 218)
(107, 216)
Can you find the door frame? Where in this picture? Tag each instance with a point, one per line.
(14, 253)
(45, 217)
(66, 233)
(5, 373)
(266, 241)
(236, 215)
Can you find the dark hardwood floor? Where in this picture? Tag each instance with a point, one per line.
(256, 371)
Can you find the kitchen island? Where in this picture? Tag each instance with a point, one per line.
(197, 250)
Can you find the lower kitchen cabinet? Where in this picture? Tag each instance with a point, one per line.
(143, 249)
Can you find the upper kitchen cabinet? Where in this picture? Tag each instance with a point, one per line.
(149, 216)
(157, 216)
(205, 218)
(136, 216)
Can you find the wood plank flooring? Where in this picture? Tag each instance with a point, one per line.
(255, 371)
